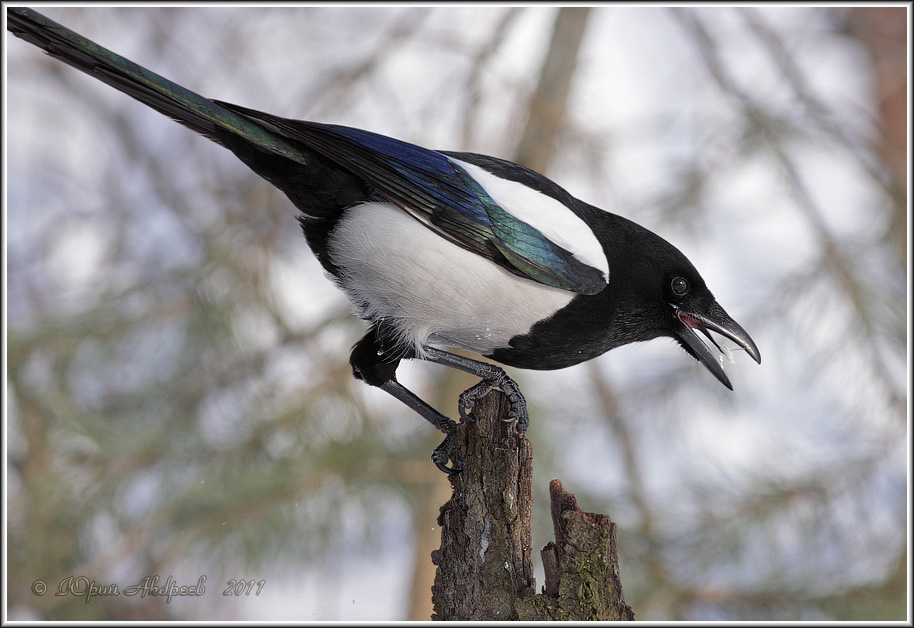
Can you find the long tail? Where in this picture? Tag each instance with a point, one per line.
(190, 109)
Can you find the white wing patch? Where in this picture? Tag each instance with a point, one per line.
(555, 221)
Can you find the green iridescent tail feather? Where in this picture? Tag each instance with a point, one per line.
(190, 109)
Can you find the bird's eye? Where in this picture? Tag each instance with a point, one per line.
(679, 286)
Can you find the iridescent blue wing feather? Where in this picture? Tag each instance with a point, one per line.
(435, 190)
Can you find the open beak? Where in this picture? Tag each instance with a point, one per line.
(718, 321)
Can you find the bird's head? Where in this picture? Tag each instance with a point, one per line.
(668, 297)
(693, 313)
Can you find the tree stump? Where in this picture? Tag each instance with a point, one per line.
(485, 562)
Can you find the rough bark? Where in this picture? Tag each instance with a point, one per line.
(485, 562)
(583, 581)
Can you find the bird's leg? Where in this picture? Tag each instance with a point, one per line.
(374, 360)
(448, 426)
(492, 377)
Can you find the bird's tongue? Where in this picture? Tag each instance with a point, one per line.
(691, 321)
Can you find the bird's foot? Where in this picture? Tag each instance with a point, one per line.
(498, 379)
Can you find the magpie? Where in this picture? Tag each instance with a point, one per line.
(444, 249)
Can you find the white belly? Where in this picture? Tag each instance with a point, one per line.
(429, 289)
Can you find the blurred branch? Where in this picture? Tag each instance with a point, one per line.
(820, 113)
(547, 105)
(328, 94)
(834, 258)
(883, 32)
(652, 559)
(480, 62)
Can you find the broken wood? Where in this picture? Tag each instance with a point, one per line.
(485, 562)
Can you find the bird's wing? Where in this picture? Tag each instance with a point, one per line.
(431, 186)
(439, 191)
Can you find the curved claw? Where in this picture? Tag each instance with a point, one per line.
(443, 464)
(443, 451)
(464, 408)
